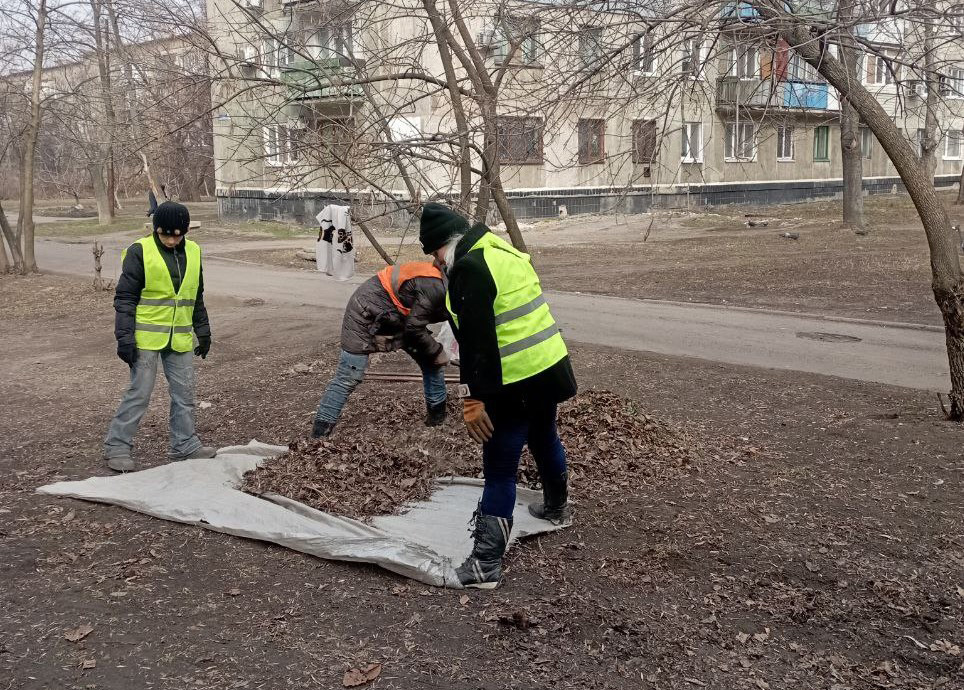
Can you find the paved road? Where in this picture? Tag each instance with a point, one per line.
(887, 353)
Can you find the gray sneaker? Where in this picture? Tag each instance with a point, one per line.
(121, 463)
(201, 453)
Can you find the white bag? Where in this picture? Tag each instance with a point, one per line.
(451, 346)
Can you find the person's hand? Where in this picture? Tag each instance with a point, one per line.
(203, 346)
(128, 353)
(441, 359)
(477, 420)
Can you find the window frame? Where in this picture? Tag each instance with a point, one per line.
(816, 141)
(746, 59)
(644, 52)
(591, 131)
(686, 142)
(535, 155)
(638, 130)
(692, 54)
(959, 138)
(735, 141)
(590, 40)
(866, 143)
(785, 134)
(528, 52)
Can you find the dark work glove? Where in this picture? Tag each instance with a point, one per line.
(128, 353)
(203, 346)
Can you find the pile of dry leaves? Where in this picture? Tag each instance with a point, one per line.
(383, 457)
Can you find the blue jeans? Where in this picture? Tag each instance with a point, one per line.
(179, 371)
(351, 371)
(531, 424)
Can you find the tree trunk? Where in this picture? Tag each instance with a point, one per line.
(442, 37)
(947, 282)
(16, 256)
(102, 190)
(960, 189)
(25, 226)
(853, 167)
(928, 157)
(104, 205)
(4, 257)
(850, 148)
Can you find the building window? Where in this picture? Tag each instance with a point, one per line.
(866, 143)
(691, 148)
(520, 140)
(952, 84)
(282, 145)
(691, 55)
(879, 70)
(336, 138)
(590, 46)
(784, 143)
(921, 138)
(644, 142)
(523, 34)
(645, 54)
(744, 62)
(592, 141)
(821, 143)
(952, 145)
(334, 41)
(801, 70)
(740, 143)
(277, 53)
(956, 16)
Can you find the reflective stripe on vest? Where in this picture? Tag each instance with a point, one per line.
(163, 317)
(528, 337)
(393, 277)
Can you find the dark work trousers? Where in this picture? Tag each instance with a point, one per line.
(531, 423)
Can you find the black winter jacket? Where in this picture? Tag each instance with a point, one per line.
(472, 293)
(371, 312)
(131, 283)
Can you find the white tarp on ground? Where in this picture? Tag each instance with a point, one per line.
(426, 543)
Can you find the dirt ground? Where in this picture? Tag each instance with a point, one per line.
(826, 551)
(712, 256)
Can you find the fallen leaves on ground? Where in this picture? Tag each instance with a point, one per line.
(79, 633)
(355, 677)
(382, 459)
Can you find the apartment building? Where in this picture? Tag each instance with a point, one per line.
(597, 109)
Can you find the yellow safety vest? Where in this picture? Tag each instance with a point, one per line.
(529, 340)
(162, 316)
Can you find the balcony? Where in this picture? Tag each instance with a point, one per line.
(734, 92)
(800, 95)
(321, 79)
(756, 94)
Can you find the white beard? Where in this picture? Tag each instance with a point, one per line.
(448, 258)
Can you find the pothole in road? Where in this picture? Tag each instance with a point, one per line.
(828, 337)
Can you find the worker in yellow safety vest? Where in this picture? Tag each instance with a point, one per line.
(515, 370)
(159, 308)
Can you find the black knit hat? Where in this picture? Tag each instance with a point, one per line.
(172, 218)
(439, 224)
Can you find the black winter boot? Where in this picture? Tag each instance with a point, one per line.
(435, 415)
(321, 429)
(555, 501)
(483, 568)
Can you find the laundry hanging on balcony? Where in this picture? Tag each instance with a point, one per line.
(335, 250)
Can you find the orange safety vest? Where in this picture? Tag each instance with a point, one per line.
(393, 277)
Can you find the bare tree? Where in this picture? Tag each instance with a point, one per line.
(809, 40)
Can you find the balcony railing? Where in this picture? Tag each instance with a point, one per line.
(320, 80)
(744, 93)
(759, 94)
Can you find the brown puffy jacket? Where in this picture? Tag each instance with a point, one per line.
(371, 312)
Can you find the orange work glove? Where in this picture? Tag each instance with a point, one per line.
(477, 420)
